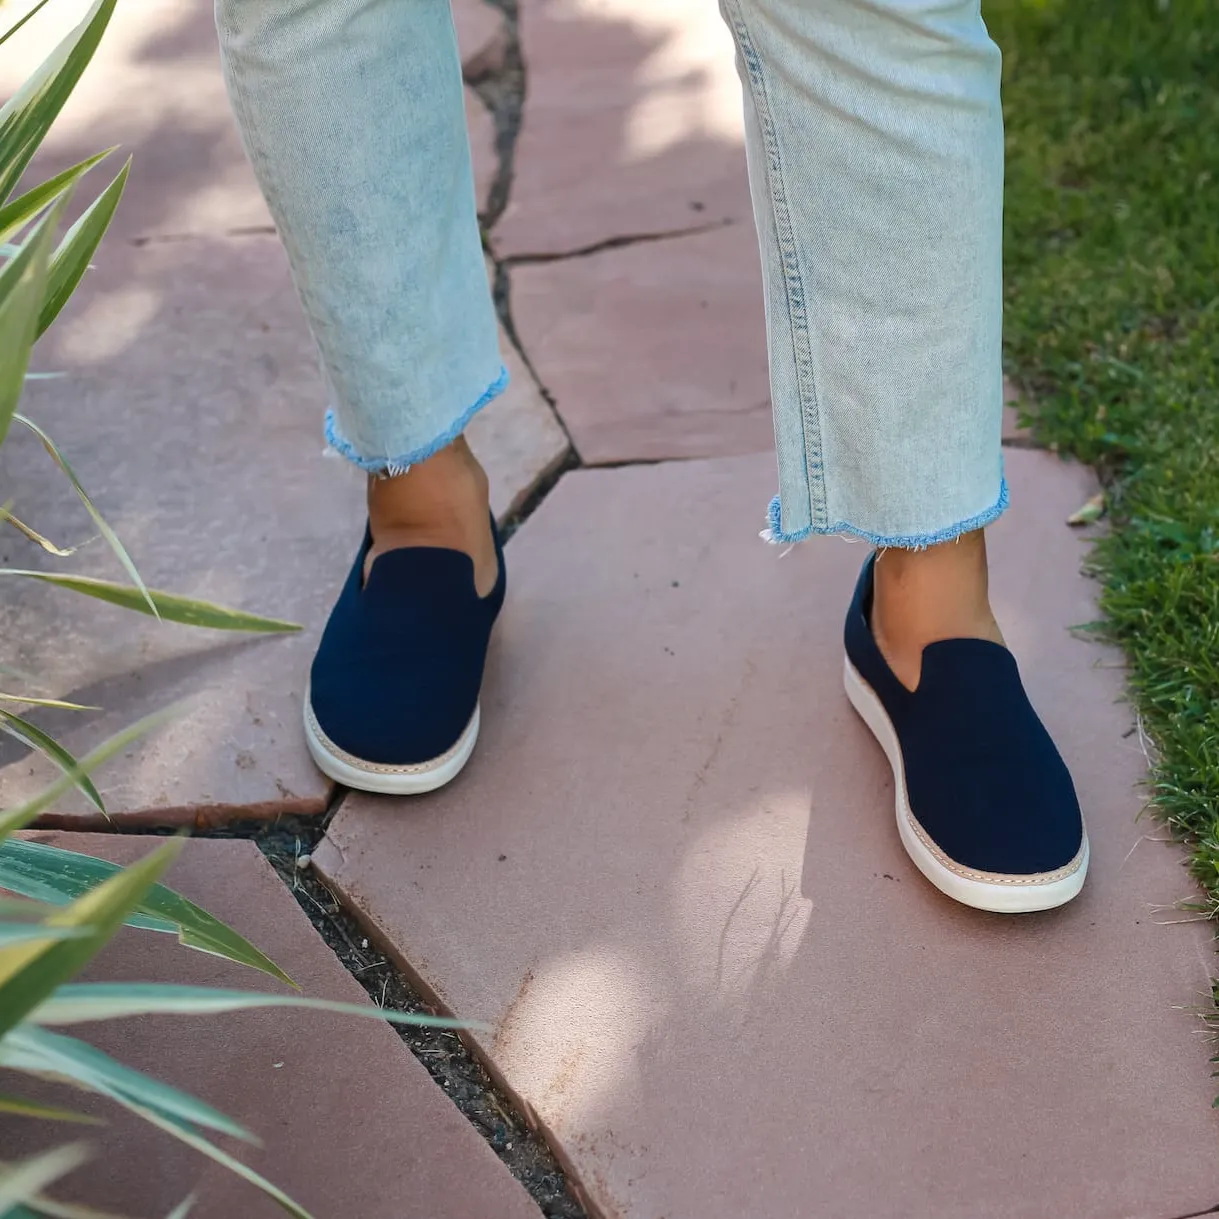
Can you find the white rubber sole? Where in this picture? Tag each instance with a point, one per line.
(414, 780)
(995, 891)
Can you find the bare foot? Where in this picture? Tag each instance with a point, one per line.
(922, 596)
(442, 501)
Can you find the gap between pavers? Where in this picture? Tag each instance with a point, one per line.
(671, 880)
(351, 1124)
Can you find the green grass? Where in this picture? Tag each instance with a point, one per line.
(1112, 331)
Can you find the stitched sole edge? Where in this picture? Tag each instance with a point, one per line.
(995, 891)
(385, 780)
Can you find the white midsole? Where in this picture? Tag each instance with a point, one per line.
(1017, 896)
(391, 780)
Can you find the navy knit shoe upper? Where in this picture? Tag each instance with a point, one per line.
(983, 778)
(396, 677)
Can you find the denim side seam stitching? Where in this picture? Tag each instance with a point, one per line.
(901, 541)
(810, 417)
(390, 466)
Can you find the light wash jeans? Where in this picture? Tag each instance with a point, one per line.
(875, 150)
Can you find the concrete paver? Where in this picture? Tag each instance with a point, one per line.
(654, 350)
(351, 1123)
(517, 437)
(632, 124)
(190, 408)
(671, 880)
(477, 23)
(154, 88)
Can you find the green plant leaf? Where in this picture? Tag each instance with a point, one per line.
(79, 1003)
(33, 534)
(22, 933)
(18, 1106)
(27, 116)
(52, 874)
(183, 1208)
(112, 538)
(31, 734)
(71, 259)
(13, 819)
(26, 699)
(27, 1178)
(30, 972)
(170, 607)
(22, 283)
(38, 1052)
(18, 212)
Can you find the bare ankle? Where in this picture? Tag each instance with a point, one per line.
(925, 596)
(443, 502)
(449, 483)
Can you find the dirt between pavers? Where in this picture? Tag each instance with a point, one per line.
(447, 1060)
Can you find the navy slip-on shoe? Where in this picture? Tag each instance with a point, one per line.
(392, 703)
(985, 804)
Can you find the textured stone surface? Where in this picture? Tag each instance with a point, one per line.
(191, 411)
(671, 878)
(154, 88)
(481, 128)
(632, 124)
(351, 1123)
(654, 350)
(516, 437)
(477, 23)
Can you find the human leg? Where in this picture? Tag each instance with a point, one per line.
(874, 137)
(352, 114)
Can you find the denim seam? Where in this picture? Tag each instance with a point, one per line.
(901, 541)
(810, 418)
(400, 464)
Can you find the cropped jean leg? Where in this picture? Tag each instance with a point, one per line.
(875, 148)
(352, 114)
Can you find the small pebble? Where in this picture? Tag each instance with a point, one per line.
(303, 861)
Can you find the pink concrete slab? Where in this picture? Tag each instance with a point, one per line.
(190, 407)
(632, 124)
(154, 88)
(653, 350)
(351, 1124)
(480, 126)
(517, 438)
(671, 879)
(478, 24)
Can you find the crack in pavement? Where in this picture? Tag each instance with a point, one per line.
(612, 243)
(247, 230)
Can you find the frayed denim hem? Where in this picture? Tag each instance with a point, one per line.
(390, 466)
(909, 541)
